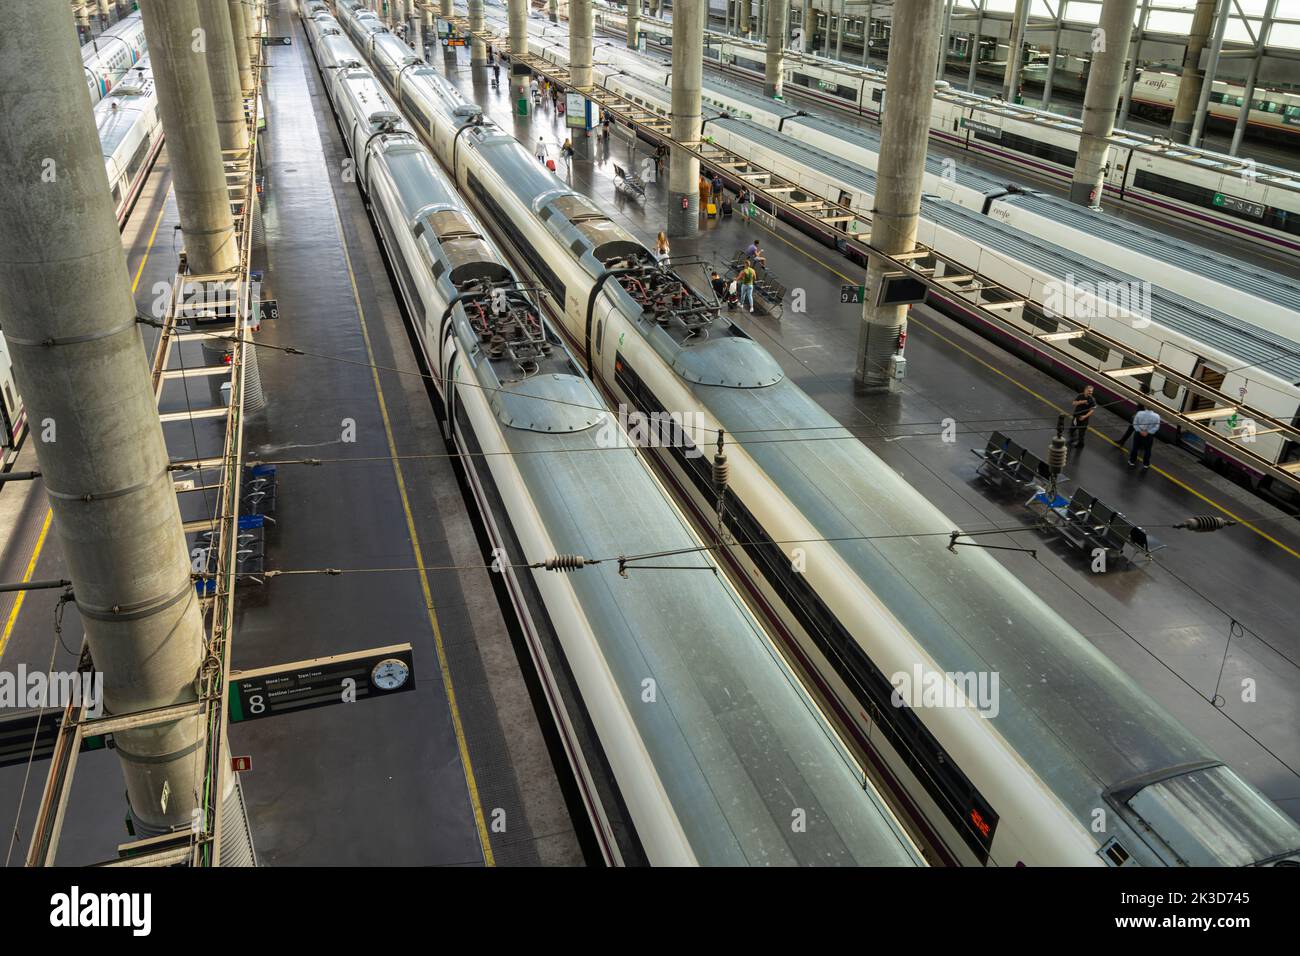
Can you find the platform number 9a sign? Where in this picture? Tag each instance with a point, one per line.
(852, 294)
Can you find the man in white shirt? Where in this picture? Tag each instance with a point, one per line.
(1146, 425)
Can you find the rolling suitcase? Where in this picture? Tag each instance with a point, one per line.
(550, 164)
(726, 207)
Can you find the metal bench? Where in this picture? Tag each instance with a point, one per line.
(628, 184)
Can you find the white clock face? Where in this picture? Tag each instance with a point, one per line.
(390, 674)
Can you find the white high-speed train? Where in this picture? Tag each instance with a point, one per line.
(1064, 761)
(704, 743)
(107, 58)
(1253, 201)
(1232, 325)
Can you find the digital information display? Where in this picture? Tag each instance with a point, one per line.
(338, 679)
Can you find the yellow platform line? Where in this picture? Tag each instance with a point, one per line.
(443, 665)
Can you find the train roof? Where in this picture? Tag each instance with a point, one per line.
(1234, 273)
(1252, 345)
(736, 741)
(1064, 706)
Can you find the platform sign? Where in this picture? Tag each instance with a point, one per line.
(853, 294)
(984, 129)
(1245, 207)
(269, 309)
(277, 41)
(899, 288)
(241, 764)
(576, 111)
(337, 679)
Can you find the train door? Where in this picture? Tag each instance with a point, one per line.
(1212, 376)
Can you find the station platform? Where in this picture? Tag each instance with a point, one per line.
(1209, 613)
(458, 772)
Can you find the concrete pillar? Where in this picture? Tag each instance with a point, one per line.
(477, 48)
(778, 20)
(105, 10)
(1189, 86)
(69, 321)
(839, 32)
(866, 36)
(553, 11)
(633, 24)
(1100, 99)
(1135, 55)
(252, 30)
(975, 48)
(1265, 28)
(239, 31)
(447, 10)
(688, 78)
(518, 47)
(942, 68)
(223, 73)
(909, 95)
(809, 27)
(581, 28)
(746, 13)
(1211, 69)
(417, 31)
(1015, 51)
(760, 20)
(189, 123)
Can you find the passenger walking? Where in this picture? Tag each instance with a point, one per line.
(705, 189)
(745, 285)
(1084, 406)
(541, 150)
(745, 200)
(496, 74)
(1146, 425)
(661, 247)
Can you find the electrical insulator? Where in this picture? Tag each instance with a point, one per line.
(1057, 453)
(565, 562)
(1205, 523)
(721, 472)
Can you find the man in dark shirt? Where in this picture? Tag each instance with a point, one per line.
(1084, 406)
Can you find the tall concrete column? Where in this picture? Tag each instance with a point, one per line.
(1189, 86)
(447, 10)
(633, 24)
(809, 27)
(553, 11)
(942, 67)
(240, 32)
(866, 36)
(185, 104)
(1211, 69)
(746, 13)
(909, 95)
(975, 47)
(688, 78)
(1099, 101)
(252, 30)
(69, 321)
(104, 14)
(1015, 51)
(839, 32)
(1134, 57)
(223, 73)
(1061, 9)
(581, 28)
(477, 49)
(778, 20)
(416, 33)
(518, 47)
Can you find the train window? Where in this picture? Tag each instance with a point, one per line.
(137, 159)
(1090, 346)
(117, 195)
(1038, 319)
(600, 334)
(1271, 216)
(1211, 377)
(1170, 389)
(10, 405)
